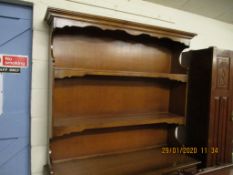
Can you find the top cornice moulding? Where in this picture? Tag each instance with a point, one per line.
(58, 18)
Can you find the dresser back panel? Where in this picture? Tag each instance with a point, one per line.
(92, 48)
(93, 97)
(106, 141)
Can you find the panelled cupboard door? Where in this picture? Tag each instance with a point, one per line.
(15, 39)
(220, 131)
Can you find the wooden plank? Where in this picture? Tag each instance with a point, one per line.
(69, 125)
(78, 72)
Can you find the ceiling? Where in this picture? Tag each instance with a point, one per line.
(217, 9)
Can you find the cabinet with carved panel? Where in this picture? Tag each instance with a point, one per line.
(210, 105)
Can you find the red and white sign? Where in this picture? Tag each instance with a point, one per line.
(14, 61)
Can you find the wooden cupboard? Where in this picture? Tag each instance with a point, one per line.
(210, 105)
(118, 93)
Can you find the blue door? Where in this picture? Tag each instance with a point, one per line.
(15, 39)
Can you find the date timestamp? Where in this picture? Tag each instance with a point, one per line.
(189, 150)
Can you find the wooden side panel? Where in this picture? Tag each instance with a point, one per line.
(108, 141)
(92, 97)
(198, 100)
(92, 48)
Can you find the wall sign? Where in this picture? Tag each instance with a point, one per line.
(10, 69)
(1, 94)
(13, 63)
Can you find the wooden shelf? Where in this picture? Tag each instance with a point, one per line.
(80, 72)
(62, 126)
(141, 162)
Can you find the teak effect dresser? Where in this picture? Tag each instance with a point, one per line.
(118, 93)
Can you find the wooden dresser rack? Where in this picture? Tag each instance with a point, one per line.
(118, 92)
